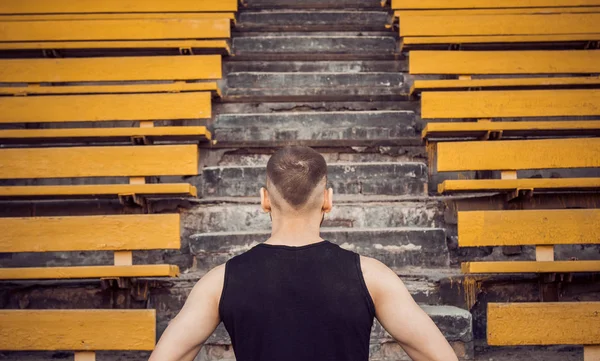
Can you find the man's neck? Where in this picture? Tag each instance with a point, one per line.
(296, 231)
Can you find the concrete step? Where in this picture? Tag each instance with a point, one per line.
(323, 20)
(310, 106)
(396, 247)
(313, 4)
(250, 217)
(336, 86)
(316, 46)
(349, 66)
(398, 179)
(318, 128)
(454, 323)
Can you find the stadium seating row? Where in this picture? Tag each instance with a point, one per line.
(91, 90)
(501, 102)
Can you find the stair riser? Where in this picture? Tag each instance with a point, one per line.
(346, 126)
(398, 248)
(399, 179)
(313, 21)
(382, 66)
(249, 218)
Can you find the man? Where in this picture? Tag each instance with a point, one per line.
(297, 297)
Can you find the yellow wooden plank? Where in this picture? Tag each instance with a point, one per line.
(499, 83)
(528, 227)
(110, 69)
(111, 16)
(521, 103)
(487, 4)
(119, 29)
(538, 10)
(88, 272)
(543, 323)
(410, 41)
(74, 162)
(98, 190)
(464, 128)
(90, 233)
(591, 353)
(198, 132)
(505, 62)
(114, 6)
(77, 330)
(150, 44)
(530, 267)
(474, 25)
(502, 185)
(544, 253)
(518, 154)
(176, 87)
(101, 107)
(123, 258)
(85, 356)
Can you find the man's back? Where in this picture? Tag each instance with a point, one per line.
(297, 303)
(296, 296)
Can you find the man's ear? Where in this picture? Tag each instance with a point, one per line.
(265, 201)
(327, 200)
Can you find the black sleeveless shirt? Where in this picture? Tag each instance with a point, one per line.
(308, 303)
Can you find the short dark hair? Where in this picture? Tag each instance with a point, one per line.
(295, 172)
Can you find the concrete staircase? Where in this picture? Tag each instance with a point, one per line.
(329, 78)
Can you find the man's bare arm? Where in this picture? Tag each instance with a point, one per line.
(196, 321)
(400, 315)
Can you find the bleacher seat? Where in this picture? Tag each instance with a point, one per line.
(547, 323)
(526, 69)
(118, 233)
(511, 156)
(60, 91)
(135, 162)
(82, 331)
(540, 228)
(440, 24)
(183, 25)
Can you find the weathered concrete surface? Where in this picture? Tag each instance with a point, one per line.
(250, 217)
(248, 86)
(349, 66)
(308, 106)
(359, 45)
(310, 20)
(317, 127)
(313, 4)
(351, 178)
(316, 80)
(398, 248)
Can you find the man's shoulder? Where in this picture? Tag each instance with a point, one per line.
(376, 274)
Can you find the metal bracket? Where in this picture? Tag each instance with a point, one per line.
(186, 51)
(51, 53)
(133, 200)
(140, 140)
(519, 193)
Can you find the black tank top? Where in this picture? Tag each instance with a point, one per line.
(307, 303)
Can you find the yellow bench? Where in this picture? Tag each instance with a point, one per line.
(134, 162)
(57, 25)
(118, 233)
(82, 331)
(540, 228)
(505, 104)
(438, 24)
(519, 64)
(547, 323)
(485, 129)
(81, 90)
(513, 155)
